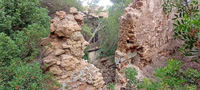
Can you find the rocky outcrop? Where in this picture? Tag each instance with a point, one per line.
(64, 51)
(145, 38)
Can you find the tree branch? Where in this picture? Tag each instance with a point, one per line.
(99, 27)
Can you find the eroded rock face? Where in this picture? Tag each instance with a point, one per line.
(145, 37)
(64, 52)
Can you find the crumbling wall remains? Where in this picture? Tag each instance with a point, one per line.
(64, 51)
(145, 37)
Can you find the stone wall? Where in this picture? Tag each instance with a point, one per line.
(145, 38)
(64, 51)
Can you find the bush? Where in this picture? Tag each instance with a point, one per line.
(173, 77)
(22, 24)
(86, 56)
(14, 72)
(28, 41)
(27, 77)
(22, 76)
(17, 14)
(130, 74)
(8, 50)
(111, 86)
(25, 22)
(186, 24)
(87, 32)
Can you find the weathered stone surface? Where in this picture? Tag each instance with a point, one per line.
(73, 10)
(63, 57)
(79, 17)
(55, 70)
(145, 36)
(61, 15)
(107, 68)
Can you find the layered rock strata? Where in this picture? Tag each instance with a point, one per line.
(145, 37)
(64, 51)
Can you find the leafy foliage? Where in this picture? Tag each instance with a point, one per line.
(8, 49)
(20, 22)
(173, 77)
(186, 27)
(17, 14)
(86, 56)
(14, 72)
(25, 79)
(28, 41)
(87, 31)
(130, 74)
(111, 86)
(110, 33)
(186, 24)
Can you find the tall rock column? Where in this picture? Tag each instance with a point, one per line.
(145, 38)
(64, 51)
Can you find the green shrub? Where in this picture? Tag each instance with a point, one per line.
(15, 72)
(8, 49)
(22, 25)
(148, 84)
(86, 56)
(25, 22)
(130, 74)
(173, 77)
(186, 24)
(111, 86)
(28, 41)
(22, 76)
(87, 32)
(17, 14)
(27, 77)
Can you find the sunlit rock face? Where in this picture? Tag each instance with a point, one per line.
(145, 39)
(64, 51)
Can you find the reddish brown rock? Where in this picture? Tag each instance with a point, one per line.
(145, 31)
(78, 17)
(61, 15)
(64, 52)
(73, 10)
